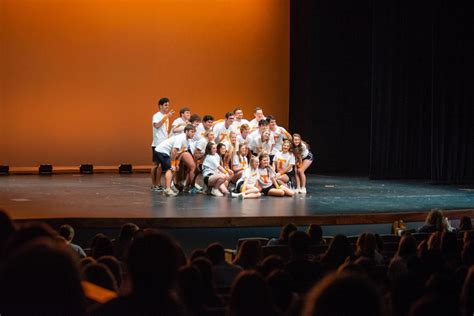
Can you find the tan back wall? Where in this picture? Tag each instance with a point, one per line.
(80, 79)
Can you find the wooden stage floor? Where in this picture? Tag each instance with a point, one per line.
(109, 200)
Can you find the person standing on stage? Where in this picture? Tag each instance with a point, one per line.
(206, 125)
(169, 154)
(258, 113)
(160, 123)
(279, 134)
(180, 123)
(223, 129)
(239, 119)
(304, 159)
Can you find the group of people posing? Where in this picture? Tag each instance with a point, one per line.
(236, 157)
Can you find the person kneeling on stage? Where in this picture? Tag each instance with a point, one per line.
(169, 153)
(267, 179)
(284, 162)
(247, 184)
(215, 176)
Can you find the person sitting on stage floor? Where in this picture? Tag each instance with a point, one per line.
(239, 119)
(224, 128)
(247, 184)
(258, 113)
(160, 124)
(215, 176)
(67, 232)
(283, 163)
(178, 125)
(304, 159)
(239, 162)
(263, 144)
(206, 125)
(267, 179)
(170, 151)
(225, 161)
(244, 133)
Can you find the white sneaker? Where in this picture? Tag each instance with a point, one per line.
(170, 192)
(197, 186)
(297, 190)
(174, 188)
(303, 191)
(235, 195)
(216, 192)
(241, 196)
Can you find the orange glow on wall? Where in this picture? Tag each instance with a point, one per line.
(79, 79)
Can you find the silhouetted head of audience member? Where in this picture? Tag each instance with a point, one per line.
(127, 232)
(41, 277)
(270, 264)
(67, 232)
(28, 232)
(339, 249)
(449, 243)
(114, 266)
(191, 289)
(468, 236)
(152, 263)
(344, 294)
(465, 223)
(434, 241)
(99, 274)
(299, 243)
(436, 219)
(249, 254)
(315, 232)
(7, 228)
(216, 253)
(406, 246)
(406, 289)
(285, 233)
(250, 295)
(101, 246)
(280, 289)
(467, 254)
(197, 253)
(366, 245)
(85, 261)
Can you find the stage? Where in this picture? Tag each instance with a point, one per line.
(109, 200)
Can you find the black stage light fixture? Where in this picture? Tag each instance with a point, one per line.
(86, 169)
(45, 170)
(4, 170)
(125, 168)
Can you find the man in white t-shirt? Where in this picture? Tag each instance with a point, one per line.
(207, 122)
(180, 123)
(279, 134)
(258, 113)
(239, 120)
(160, 123)
(222, 130)
(262, 126)
(169, 153)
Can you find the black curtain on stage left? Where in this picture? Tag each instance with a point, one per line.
(422, 92)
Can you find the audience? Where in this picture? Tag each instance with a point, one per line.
(41, 271)
(435, 222)
(465, 224)
(284, 235)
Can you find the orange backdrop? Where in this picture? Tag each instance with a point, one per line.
(80, 78)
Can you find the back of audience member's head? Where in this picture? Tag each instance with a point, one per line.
(344, 294)
(280, 289)
(366, 245)
(339, 249)
(67, 232)
(299, 243)
(191, 289)
(85, 261)
(406, 246)
(353, 268)
(434, 241)
(249, 254)
(315, 232)
(101, 246)
(270, 264)
(286, 231)
(429, 305)
(379, 242)
(465, 223)
(197, 253)
(42, 278)
(250, 295)
(114, 266)
(216, 253)
(28, 232)
(152, 263)
(468, 236)
(127, 232)
(204, 266)
(7, 228)
(406, 289)
(449, 243)
(436, 218)
(467, 254)
(99, 274)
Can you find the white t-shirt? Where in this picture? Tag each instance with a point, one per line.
(210, 164)
(254, 123)
(241, 140)
(279, 134)
(240, 162)
(258, 146)
(221, 131)
(201, 145)
(159, 134)
(179, 142)
(238, 124)
(251, 175)
(283, 161)
(175, 124)
(265, 176)
(200, 131)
